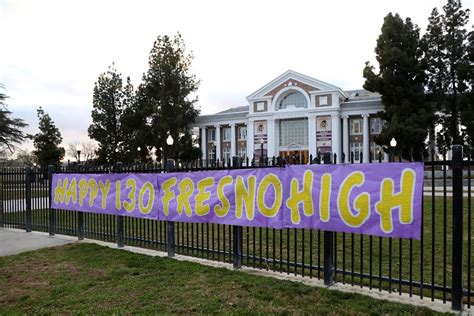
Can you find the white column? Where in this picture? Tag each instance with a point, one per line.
(203, 143)
(336, 135)
(250, 140)
(365, 143)
(271, 138)
(233, 141)
(345, 137)
(312, 136)
(218, 142)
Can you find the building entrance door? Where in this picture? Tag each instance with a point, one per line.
(295, 157)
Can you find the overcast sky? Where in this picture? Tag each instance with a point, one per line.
(53, 51)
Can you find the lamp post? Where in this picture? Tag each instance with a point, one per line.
(139, 149)
(262, 141)
(169, 142)
(393, 144)
(78, 150)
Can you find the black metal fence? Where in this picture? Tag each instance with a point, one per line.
(439, 265)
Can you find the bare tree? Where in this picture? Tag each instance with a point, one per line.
(88, 150)
(24, 158)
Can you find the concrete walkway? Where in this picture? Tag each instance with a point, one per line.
(13, 241)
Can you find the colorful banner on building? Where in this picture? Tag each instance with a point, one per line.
(324, 134)
(375, 199)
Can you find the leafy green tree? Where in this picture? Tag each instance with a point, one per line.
(446, 45)
(432, 45)
(136, 131)
(400, 81)
(11, 133)
(165, 103)
(467, 108)
(47, 141)
(109, 102)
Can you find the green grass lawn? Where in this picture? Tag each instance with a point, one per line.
(192, 239)
(86, 278)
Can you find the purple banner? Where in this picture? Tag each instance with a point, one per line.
(375, 199)
(133, 195)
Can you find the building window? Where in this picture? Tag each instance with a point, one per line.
(375, 125)
(226, 154)
(356, 148)
(211, 153)
(375, 150)
(226, 134)
(293, 99)
(356, 126)
(242, 132)
(323, 101)
(242, 152)
(211, 135)
(293, 132)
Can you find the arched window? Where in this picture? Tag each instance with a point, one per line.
(293, 99)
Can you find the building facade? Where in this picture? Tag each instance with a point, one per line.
(292, 117)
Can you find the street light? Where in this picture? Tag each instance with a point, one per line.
(78, 150)
(261, 150)
(393, 144)
(170, 142)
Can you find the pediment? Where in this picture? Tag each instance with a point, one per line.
(291, 82)
(291, 78)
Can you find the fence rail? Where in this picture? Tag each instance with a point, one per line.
(439, 265)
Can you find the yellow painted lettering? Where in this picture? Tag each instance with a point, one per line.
(93, 191)
(403, 200)
(168, 194)
(147, 187)
(361, 202)
(303, 196)
(202, 196)
(60, 191)
(71, 192)
(223, 209)
(270, 180)
(325, 196)
(186, 189)
(132, 185)
(104, 191)
(118, 188)
(245, 196)
(83, 188)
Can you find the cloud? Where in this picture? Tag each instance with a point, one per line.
(55, 50)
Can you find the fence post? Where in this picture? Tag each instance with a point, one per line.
(457, 288)
(2, 187)
(170, 241)
(52, 213)
(169, 167)
(237, 246)
(328, 249)
(120, 232)
(29, 221)
(328, 255)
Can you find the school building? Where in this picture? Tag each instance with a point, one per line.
(294, 116)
